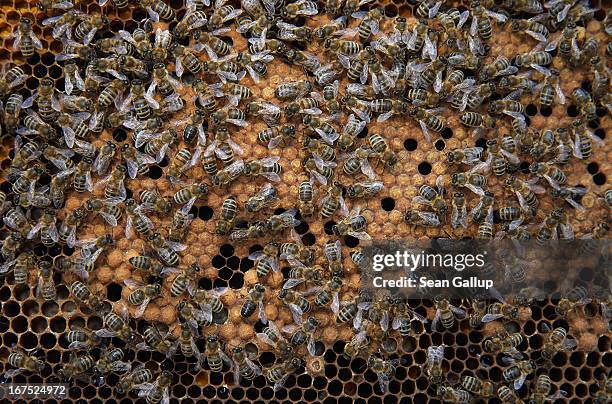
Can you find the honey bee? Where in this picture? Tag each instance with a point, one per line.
(353, 224)
(229, 174)
(446, 313)
(22, 361)
(141, 295)
(185, 58)
(583, 140)
(518, 371)
(300, 273)
(157, 10)
(525, 192)
(76, 367)
(229, 115)
(187, 343)
(279, 374)
(193, 19)
(165, 249)
(33, 124)
(210, 302)
(502, 343)
(266, 259)
(187, 313)
(180, 224)
(419, 218)
(158, 390)
(12, 111)
(604, 392)
(427, 120)
(222, 14)
(265, 197)
(79, 338)
(92, 248)
(62, 23)
(138, 376)
(333, 201)
(502, 310)
(473, 181)
(25, 153)
(110, 361)
(433, 197)
(365, 189)
(83, 294)
(576, 298)
(278, 222)
(500, 67)
(158, 340)
(68, 228)
(185, 281)
(107, 210)
(21, 264)
(478, 386)
(532, 28)
(299, 8)
(278, 135)
(267, 167)
(234, 92)
(229, 210)
(254, 230)
(499, 159)
(25, 39)
(551, 173)
(542, 389)
(254, 301)
(12, 78)
(556, 341)
(89, 25)
(243, 366)
(215, 355)
(452, 395)
(10, 245)
(16, 220)
(384, 369)
(135, 218)
(293, 89)
(507, 395)
(459, 216)
(148, 264)
(298, 305)
(550, 89)
(46, 285)
(48, 5)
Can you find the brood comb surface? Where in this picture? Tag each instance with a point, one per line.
(330, 377)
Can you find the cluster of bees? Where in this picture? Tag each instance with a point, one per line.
(368, 68)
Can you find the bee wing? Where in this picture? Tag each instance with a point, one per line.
(144, 389)
(71, 240)
(90, 35)
(264, 338)
(120, 366)
(12, 372)
(297, 313)
(518, 383)
(280, 383)
(31, 233)
(568, 344)
(490, 317)
(435, 321)
(78, 345)
(291, 283)
(460, 313)
(104, 333)
(425, 131)
(433, 11)
(6, 266)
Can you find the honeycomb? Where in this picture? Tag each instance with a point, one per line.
(328, 376)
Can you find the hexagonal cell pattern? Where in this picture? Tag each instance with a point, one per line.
(330, 375)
